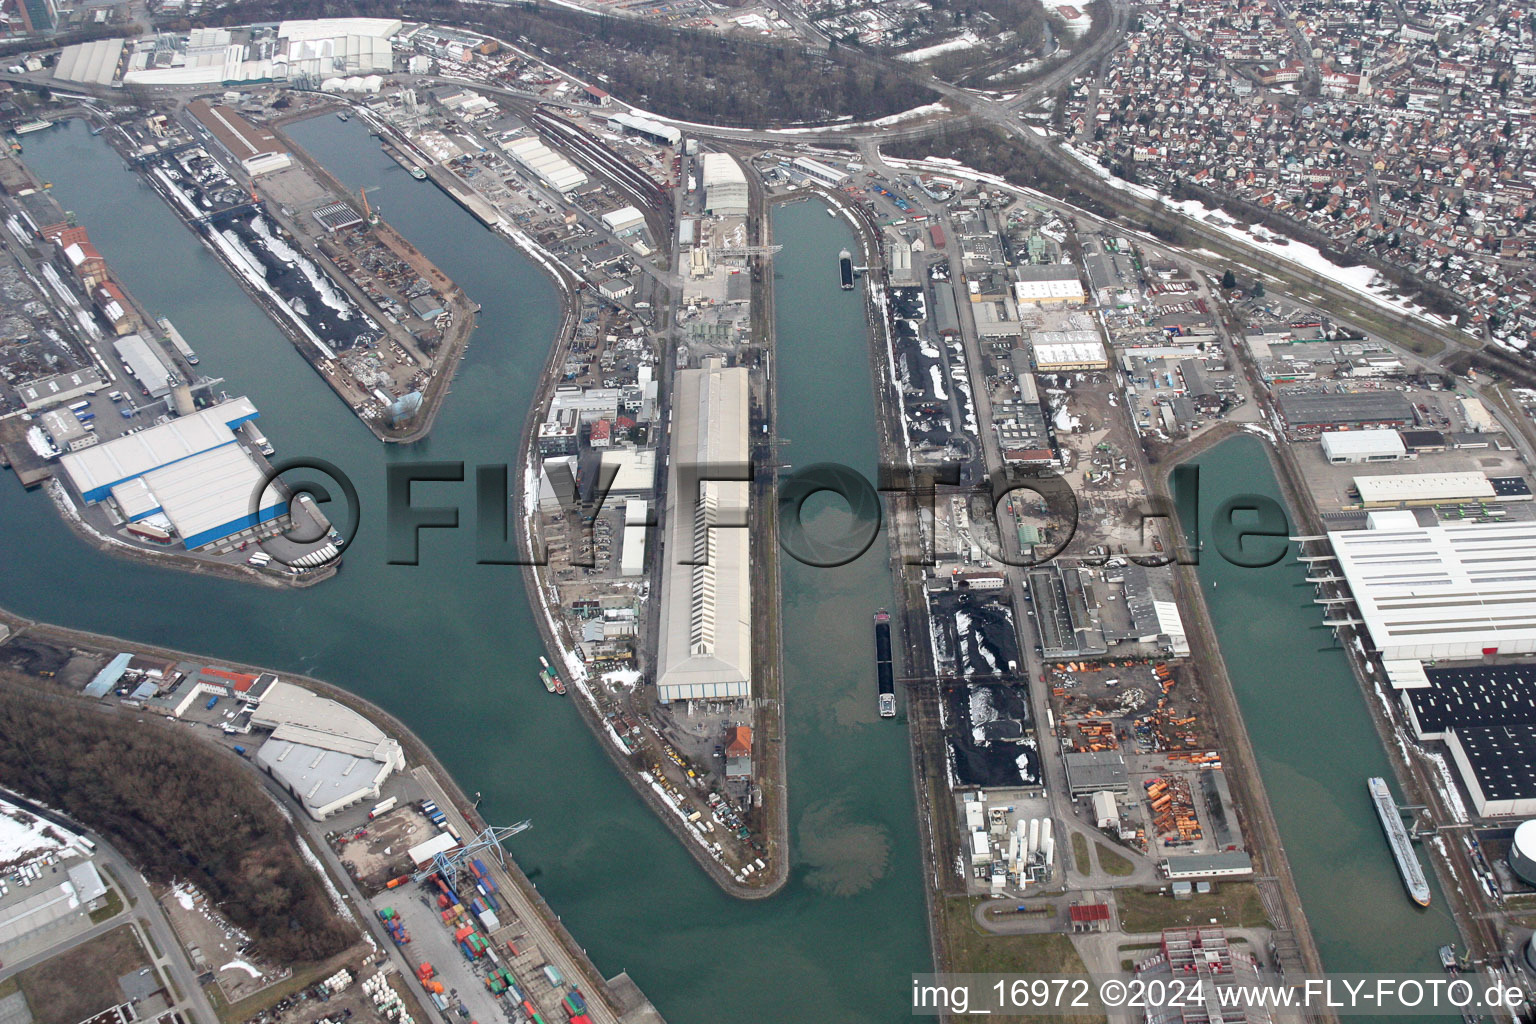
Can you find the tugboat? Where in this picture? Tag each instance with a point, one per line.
(418, 174)
(1448, 959)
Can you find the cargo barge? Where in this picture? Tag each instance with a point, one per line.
(883, 664)
(177, 340)
(399, 157)
(1397, 838)
(845, 266)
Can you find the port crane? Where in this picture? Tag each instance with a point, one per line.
(454, 861)
(368, 214)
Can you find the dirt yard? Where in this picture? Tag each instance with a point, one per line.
(82, 981)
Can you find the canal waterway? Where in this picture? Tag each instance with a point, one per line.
(1315, 742)
(451, 647)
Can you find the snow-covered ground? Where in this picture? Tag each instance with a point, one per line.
(281, 250)
(908, 115)
(1072, 14)
(982, 712)
(25, 837)
(964, 41)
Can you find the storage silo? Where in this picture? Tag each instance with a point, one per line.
(181, 396)
(1522, 852)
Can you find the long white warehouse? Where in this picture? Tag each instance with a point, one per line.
(544, 163)
(706, 609)
(1443, 592)
(1423, 488)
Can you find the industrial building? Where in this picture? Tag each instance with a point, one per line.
(550, 168)
(1472, 696)
(1486, 715)
(94, 63)
(946, 315)
(1048, 284)
(1442, 593)
(823, 173)
(326, 755)
(66, 430)
(146, 365)
(1403, 490)
(1097, 771)
(647, 128)
(1308, 413)
(632, 552)
(59, 388)
(1497, 764)
(1226, 864)
(314, 50)
(725, 186)
(1201, 956)
(190, 474)
(257, 149)
(624, 221)
(1063, 351)
(706, 608)
(633, 470)
(1347, 447)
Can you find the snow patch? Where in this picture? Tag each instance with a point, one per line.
(241, 965)
(964, 41)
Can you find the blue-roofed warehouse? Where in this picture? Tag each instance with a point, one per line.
(192, 471)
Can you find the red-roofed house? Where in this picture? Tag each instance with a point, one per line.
(738, 752)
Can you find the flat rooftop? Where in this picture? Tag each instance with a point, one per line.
(242, 138)
(1454, 591)
(1324, 410)
(1474, 696)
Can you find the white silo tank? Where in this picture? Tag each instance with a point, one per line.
(1522, 852)
(1034, 836)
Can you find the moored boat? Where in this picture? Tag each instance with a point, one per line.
(887, 686)
(1397, 839)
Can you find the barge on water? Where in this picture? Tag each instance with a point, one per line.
(1397, 838)
(399, 157)
(845, 266)
(177, 340)
(883, 664)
